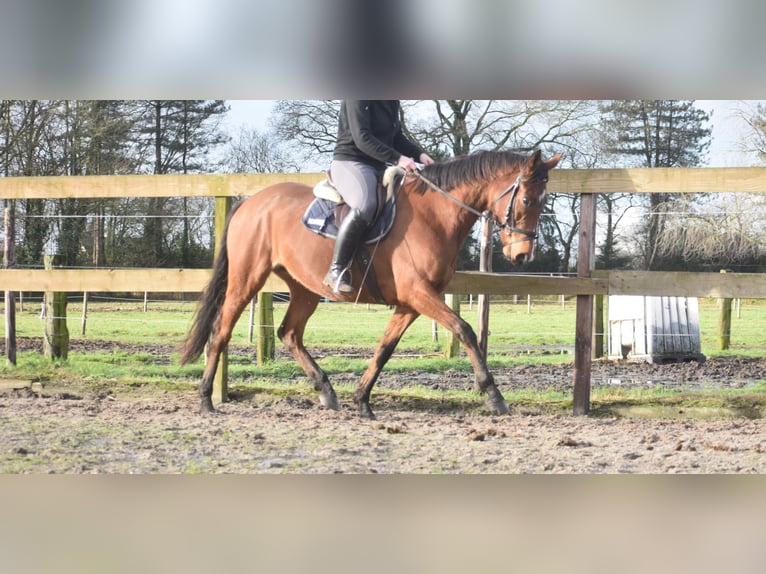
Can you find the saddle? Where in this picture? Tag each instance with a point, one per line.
(325, 214)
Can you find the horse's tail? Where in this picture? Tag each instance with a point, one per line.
(210, 303)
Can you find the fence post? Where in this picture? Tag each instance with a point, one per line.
(265, 343)
(452, 347)
(221, 380)
(9, 260)
(598, 327)
(599, 310)
(84, 311)
(724, 322)
(586, 256)
(56, 339)
(251, 322)
(485, 265)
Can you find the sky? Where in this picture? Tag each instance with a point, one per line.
(724, 147)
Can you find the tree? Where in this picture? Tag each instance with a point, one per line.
(180, 134)
(458, 127)
(655, 133)
(453, 127)
(256, 152)
(723, 231)
(65, 137)
(108, 153)
(310, 127)
(26, 125)
(754, 139)
(102, 137)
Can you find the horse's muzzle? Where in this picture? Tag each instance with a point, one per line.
(518, 258)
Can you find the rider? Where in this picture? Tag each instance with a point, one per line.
(369, 137)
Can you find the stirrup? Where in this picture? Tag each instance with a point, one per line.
(336, 280)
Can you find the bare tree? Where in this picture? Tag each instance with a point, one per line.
(457, 127)
(258, 152)
(755, 139)
(723, 231)
(308, 127)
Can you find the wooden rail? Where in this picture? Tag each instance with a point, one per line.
(635, 180)
(113, 186)
(682, 284)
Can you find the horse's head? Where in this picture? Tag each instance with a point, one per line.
(519, 216)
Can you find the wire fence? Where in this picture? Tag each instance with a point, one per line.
(516, 322)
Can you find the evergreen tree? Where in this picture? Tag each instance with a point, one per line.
(180, 134)
(655, 133)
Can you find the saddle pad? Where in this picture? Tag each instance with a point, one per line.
(320, 218)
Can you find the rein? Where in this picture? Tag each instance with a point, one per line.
(509, 222)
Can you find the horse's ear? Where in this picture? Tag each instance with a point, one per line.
(534, 160)
(553, 162)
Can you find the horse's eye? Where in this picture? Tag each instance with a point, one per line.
(526, 201)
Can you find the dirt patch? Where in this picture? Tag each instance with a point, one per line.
(128, 430)
(130, 433)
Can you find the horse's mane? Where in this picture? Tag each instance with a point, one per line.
(480, 166)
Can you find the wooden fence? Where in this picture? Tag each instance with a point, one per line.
(585, 286)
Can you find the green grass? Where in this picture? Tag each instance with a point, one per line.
(748, 331)
(346, 327)
(338, 326)
(542, 335)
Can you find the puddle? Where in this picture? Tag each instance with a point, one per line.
(675, 412)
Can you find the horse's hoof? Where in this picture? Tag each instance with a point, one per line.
(206, 406)
(365, 412)
(496, 403)
(498, 408)
(329, 400)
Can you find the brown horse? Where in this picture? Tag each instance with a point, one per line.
(413, 263)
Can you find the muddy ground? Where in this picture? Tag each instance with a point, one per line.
(87, 429)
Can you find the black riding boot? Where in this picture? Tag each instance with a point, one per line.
(350, 235)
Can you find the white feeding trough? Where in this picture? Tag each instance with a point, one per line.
(654, 329)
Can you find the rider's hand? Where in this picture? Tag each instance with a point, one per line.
(425, 159)
(407, 163)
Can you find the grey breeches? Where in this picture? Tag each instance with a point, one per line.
(356, 182)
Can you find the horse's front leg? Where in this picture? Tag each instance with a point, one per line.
(397, 325)
(432, 305)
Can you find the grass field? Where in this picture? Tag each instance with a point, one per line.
(545, 324)
(542, 333)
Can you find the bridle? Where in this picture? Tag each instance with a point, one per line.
(509, 221)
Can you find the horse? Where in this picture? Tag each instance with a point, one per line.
(436, 208)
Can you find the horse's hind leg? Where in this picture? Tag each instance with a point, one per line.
(302, 305)
(237, 298)
(397, 325)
